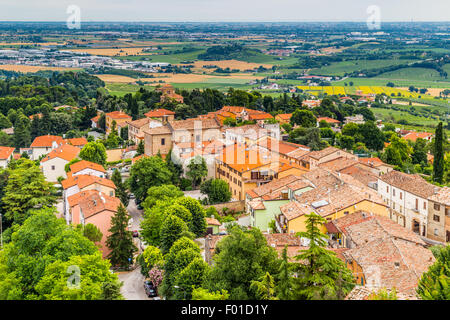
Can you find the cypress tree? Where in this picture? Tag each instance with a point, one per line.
(438, 162)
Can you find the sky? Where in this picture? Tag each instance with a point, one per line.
(225, 10)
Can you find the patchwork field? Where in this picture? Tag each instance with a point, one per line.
(111, 52)
(341, 68)
(23, 68)
(181, 78)
(232, 64)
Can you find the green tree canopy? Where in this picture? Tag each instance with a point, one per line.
(26, 189)
(435, 283)
(94, 152)
(241, 257)
(146, 173)
(320, 269)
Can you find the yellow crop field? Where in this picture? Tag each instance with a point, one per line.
(361, 90)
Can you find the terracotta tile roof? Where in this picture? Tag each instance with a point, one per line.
(272, 186)
(442, 196)
(159, 113)
(372, 162)
(95, 119)
(328, 120)
(39, 115)
(190, 124)
(212, 222)
(118, 115)
(5, 152)
(139, 123)
(299, 153)
(364, 176)
(256, 204)
(413, 136)
(323, 153)
(299, 184)
(158, 130)
(392, 263)
(97, 202)
(327, 199)
(78, 197)
(364, 293)
(411, 183)
(46, 141)
(83, 164)
(284, 116)
(78, 142)
(84, 180)
(294, 209)
(233, 109)
(363, 227)
(250, 131)
(262, 116)
(65, 152)
(338, 164)
(282, 147)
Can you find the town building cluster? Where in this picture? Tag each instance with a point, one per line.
(380, 221)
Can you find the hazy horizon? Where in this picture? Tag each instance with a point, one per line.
(225, 11)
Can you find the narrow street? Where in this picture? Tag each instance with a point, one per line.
(133, 281)
(135, 214)
(133, 285)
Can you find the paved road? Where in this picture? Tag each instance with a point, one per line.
(135, 214)
(133, 285)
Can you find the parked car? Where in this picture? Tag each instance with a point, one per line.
(150, 289)
(135, 233)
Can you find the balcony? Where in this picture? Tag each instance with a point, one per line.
(281, 227)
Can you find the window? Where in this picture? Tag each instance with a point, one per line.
(436, 232)
(163, 141)
(447, 212)
(401, 195)
(417, 204)
(53, 167)
(345, 212)
(436, 218)
(393, 192)
(111, 193)
(387, 189)
(424, 205)
(437, 207)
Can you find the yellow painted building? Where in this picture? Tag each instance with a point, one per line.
(245, 168)
(121, 119)
(338, 203)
